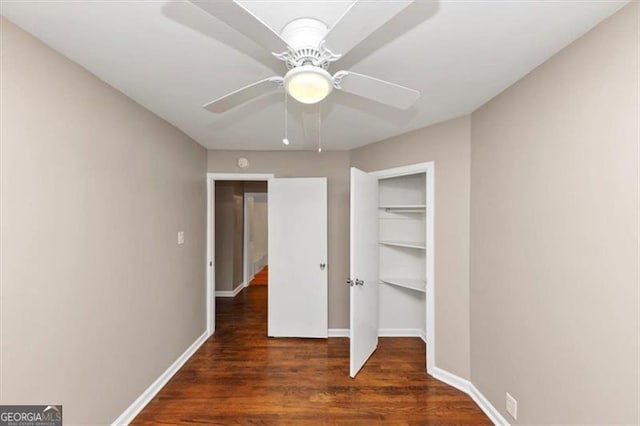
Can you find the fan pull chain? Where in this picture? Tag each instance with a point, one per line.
(319, 132)
(286, 127)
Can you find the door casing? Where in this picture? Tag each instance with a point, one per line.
(429, 169)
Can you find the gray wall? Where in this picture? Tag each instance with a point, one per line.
(333, 165)
(447, 145)
(97, 297)
(554, 235)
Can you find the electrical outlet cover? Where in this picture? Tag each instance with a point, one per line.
(512, 406)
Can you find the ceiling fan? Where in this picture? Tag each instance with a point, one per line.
(307, 47)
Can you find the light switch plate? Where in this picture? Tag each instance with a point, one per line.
(180, 237)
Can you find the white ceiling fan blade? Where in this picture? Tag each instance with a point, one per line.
(361, 19)
(244, 94)
(375, 89)
(237, 16)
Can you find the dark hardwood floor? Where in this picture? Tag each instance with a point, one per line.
(240, 376)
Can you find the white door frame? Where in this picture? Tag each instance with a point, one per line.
(211, 224)
(428, 169)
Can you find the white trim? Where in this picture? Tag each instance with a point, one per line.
(484, 404)
(428, 169)
(400, 332)
(211, 250)
(240, 176)
(134, 409)
(430, 295)
(467, 387)
(423, 336)
(451, 379)
(411, 169)
(338, 332)
(211, 276)
(231, 293)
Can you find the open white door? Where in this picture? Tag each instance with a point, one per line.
(298, 257)
(364, 268)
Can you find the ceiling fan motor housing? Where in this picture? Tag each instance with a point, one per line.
(305, 36)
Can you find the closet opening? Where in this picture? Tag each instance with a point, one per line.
(392, 278)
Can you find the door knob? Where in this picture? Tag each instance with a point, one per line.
(359, 282)
(322, 266)
(350, 282)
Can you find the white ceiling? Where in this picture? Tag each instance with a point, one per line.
(172, 58)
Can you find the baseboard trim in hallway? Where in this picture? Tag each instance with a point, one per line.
(136, 407)
(231, 293)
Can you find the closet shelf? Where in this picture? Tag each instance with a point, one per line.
(404, 208)
(407, 244)
(410, 283)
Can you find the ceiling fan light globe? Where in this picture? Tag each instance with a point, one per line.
(308, 84)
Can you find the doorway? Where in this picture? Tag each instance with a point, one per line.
(392, 240)
(227, 271)
(297, 254)
(240, 230)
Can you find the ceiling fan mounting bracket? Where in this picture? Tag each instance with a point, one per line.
(305, 38)
(319, 57)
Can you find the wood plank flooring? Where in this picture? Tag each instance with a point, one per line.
(261, 277)
(239, 376)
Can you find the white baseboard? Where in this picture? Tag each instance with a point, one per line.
(338, 332)
(383, 332)
(231, 293)
(134, 409)
(491, 412)
(467, 387)
(451, 379)
(401, 332)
